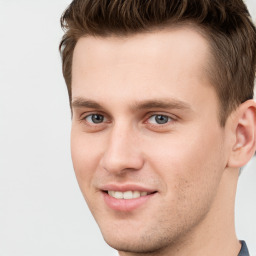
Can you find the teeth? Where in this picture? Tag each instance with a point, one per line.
(118, 195)
(136, 194)
(126, 194)
(111, 193)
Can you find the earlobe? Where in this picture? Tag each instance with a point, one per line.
(245, 135)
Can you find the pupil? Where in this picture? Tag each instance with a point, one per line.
(97, 118)
(161, 119)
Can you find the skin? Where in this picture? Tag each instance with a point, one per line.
(191, 161)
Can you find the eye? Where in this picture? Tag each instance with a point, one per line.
(95, 118)
(159, 119)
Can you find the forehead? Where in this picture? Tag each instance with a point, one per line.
(182, 45)
(184, 39)
(171, 62)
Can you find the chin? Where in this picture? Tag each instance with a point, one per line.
(136, 243)
(133, 246)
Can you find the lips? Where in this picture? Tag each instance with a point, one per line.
(127, 194)
(126, 197)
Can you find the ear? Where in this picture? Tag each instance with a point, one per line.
(245, 135)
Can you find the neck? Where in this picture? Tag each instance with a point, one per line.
(215, 235)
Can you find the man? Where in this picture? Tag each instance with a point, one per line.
(162, 119)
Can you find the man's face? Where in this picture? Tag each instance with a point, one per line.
(145, 119)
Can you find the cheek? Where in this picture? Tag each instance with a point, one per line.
(85, 156)
(190, 167)
(192, 159)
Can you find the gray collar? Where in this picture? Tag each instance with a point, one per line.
(244, 250)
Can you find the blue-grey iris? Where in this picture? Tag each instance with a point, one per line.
(160, 119)
(97, 118)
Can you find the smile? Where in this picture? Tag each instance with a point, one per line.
(127, 194)
(127, 200)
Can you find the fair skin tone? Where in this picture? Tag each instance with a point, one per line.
(146, 119)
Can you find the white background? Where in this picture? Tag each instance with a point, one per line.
(42, 211)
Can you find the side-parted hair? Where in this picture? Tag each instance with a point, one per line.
(226, 24)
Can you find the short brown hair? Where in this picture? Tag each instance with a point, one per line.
(225, 23)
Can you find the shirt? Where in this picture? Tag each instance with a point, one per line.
(244, 250)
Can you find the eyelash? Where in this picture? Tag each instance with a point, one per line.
(148, 117)
(91, 115)
(169, 119)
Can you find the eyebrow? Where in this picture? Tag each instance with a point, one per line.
(143, 105)
(85, 103)
(161, 103)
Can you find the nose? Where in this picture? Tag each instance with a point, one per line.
(122, 152)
